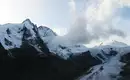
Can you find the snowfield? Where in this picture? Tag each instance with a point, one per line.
(111, 67)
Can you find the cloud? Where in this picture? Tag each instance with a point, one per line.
(72, 6)
(125, 2)
(95, 22)
(98, 21)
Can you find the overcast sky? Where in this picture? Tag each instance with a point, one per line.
(52, 13)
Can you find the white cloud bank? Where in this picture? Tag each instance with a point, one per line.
(96, 21)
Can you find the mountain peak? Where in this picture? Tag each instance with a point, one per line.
(27, 21)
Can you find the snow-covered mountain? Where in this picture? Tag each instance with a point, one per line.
(26, 43)
(111, 65)
(14, 35)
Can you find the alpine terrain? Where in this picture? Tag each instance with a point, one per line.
(28, 52)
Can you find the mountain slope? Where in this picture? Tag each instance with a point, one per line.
(16, 35)
(112, 65)
(28, 52)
